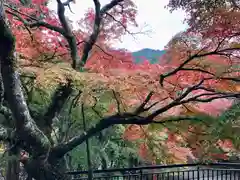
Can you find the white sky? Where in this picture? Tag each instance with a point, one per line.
(162, 24)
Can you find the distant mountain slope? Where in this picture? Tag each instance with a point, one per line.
(150, 54)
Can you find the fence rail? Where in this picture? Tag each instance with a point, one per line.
(219, 171)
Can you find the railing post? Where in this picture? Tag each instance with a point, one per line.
(141, 174)
(198, 172)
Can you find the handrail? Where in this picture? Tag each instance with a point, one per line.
(156, 167)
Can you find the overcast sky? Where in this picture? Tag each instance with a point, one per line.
(160, 21)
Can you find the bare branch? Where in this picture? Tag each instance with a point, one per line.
(141, 108)
(37, 23)
(74, 102)
(67, 3)
(119, 22)
(59, 98)
(125, 118)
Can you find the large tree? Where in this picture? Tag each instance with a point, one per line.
(174, 93)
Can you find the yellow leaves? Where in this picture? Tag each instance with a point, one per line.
(88, 100)
(227, 86)
(191, 110)
(235, 45)
(2, 148)
(49, 75)
(237, 88)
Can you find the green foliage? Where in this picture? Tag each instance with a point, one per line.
(108, 150)
(232, 114)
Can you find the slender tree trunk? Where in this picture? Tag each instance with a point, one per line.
(88, 150)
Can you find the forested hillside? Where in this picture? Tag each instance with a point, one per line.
(148, 54)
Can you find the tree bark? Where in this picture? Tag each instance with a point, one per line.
(13, 165)
(40, 170)
(46, 169)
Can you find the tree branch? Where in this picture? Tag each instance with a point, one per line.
(37, 23)
(110, 5)
(60, 150)
(93, 37)
(190, 58)
(59, 98)
(214, 77)
(125, 118)
(119, 22)
(64, 31)
(141, 108)
(96, 27)
(135, 118)
(213, 96)
(68, 34)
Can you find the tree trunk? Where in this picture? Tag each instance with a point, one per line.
(13, 170)
(88, 150)
(42, 170)
(13, 165)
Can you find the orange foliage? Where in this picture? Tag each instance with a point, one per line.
(134, 132)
